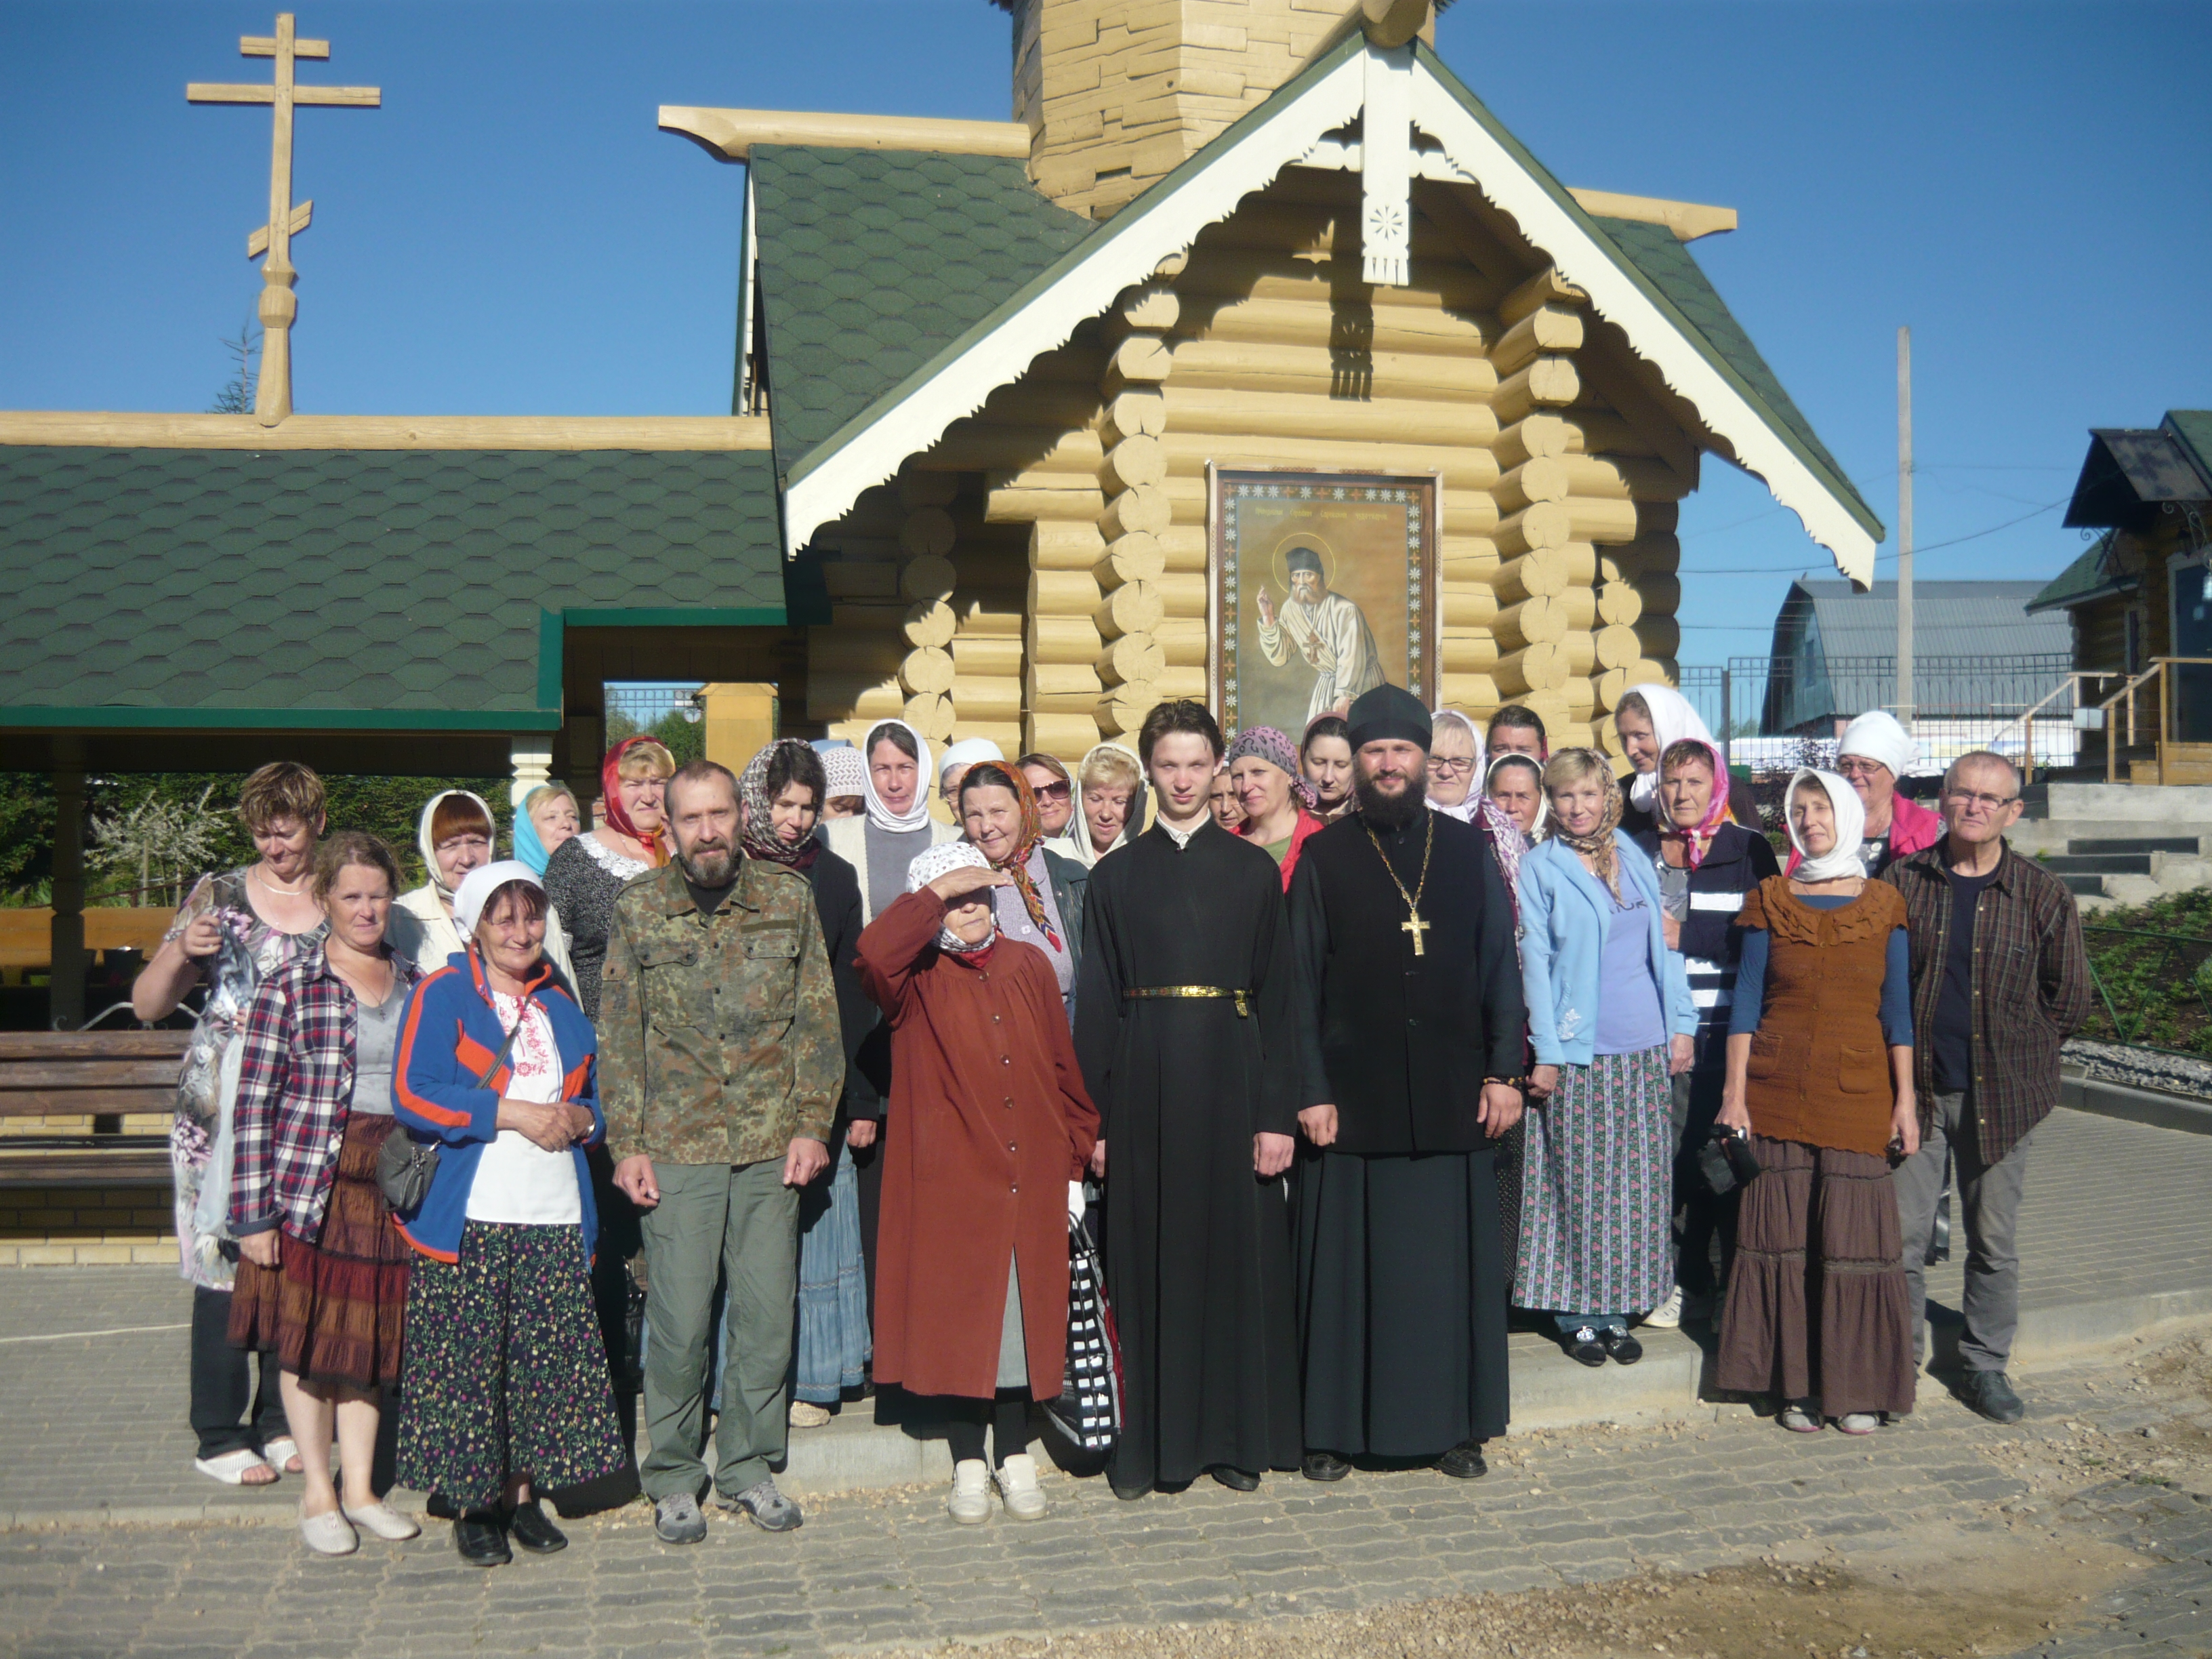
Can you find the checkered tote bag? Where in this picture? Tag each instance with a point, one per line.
(1089, 1410)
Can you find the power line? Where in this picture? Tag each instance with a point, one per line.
(1879, 558)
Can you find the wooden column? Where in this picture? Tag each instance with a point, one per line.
(1129, 582)
(738, 721)
(852, 665)
(65, 983)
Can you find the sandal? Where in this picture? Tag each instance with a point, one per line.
(232, 1467)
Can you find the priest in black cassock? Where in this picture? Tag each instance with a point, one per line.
(1412, 1033)
(1183, 1022)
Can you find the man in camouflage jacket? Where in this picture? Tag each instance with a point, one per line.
(721, 1061)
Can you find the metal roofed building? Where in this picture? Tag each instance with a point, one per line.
(1978, 652)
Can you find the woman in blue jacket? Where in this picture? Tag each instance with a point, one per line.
(505, 1379)
(1611, 1021)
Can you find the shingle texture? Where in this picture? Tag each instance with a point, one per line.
(1667, 264)
(368, 580)
(872, 261)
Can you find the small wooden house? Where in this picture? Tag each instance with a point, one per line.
(2142, 590)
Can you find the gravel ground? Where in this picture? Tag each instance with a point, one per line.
(2142, 1069)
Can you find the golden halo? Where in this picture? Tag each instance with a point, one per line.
(1327, 560)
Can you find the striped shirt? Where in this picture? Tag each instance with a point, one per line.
(1704, 901)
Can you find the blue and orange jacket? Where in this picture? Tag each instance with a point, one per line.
(449, 1036)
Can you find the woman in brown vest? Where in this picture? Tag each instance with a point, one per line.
(1817, 1309)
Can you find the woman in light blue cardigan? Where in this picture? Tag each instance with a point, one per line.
(1611, 1020)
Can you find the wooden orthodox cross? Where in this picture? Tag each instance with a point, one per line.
(272, 391)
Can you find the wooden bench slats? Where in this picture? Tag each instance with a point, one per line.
(68, 1047)
(88, 1074)
(92, 1166)
(77, 1102)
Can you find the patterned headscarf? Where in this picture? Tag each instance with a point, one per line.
(998, 774)
(1697, 840)
(758, 837)
(1672, 718)
(1598, 845)
(940, 860)
(847, 772)
(656, 850)
(1267, 743)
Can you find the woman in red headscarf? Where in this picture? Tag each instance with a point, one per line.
(585, 871)
(1707, 863)
(1043, 903)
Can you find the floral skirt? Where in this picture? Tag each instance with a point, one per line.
(333, 1310)
(1597, 1192)
(506, 1372)
(1817, 1303)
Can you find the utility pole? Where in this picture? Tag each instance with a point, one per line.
(1904, 528)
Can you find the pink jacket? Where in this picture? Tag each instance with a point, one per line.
(1912, 829)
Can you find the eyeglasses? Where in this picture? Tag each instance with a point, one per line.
(1450, 766)
(1987, 803)
(1052, 792)
(1859, 768)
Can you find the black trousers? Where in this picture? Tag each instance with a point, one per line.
(224, 1386)
(1007, 1418)
(1701, 1218)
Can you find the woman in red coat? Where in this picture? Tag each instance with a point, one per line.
(993, 1126)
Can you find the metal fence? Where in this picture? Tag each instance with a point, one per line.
(1774, 713)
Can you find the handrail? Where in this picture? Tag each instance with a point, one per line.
(2155, 672)
(2025, 721)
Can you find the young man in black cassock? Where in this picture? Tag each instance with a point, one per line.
(1183, 1018)
(1412, 1029)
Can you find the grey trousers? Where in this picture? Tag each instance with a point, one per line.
(1989, 1195)
(714, 1220)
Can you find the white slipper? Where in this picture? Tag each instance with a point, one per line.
(231, 1468)
(382, 1520)
(280, 1452)
(329, 1533)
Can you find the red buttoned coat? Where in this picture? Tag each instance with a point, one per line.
(988, 1121)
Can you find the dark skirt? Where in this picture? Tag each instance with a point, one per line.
(334, 1308)
(507, 1373)
(1817, 1306)
(1401, 1303)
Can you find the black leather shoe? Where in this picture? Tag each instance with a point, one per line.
(1235, 1480)
(1991, 1393)
(481, 1541)
(1584, 1347)
(1464, 1461)
(1620, 1347)
(1129, 1494)
(1324, 1466)
(531, 1529)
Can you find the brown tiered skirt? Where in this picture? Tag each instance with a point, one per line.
(1817, 1306)
(333, 1311)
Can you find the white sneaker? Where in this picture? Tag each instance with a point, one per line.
(806, 1414)
(971, 1500)
(1668, 1315)
(1017, 1484)
(329, 1533)
(385, 1522)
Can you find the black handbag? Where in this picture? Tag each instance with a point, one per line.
(406, 1167)
(1088, 1412)
(1726, 1160)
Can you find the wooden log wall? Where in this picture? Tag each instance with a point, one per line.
(1044, 567)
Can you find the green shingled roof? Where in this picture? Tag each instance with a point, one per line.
(385, 589)
(2087, 578)
(872, 261)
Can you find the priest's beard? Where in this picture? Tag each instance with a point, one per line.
(1392, 812)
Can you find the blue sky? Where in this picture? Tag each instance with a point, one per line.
(2025, 185)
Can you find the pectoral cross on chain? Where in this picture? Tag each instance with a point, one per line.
(1416, 927)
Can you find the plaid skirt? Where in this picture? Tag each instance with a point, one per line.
(334, 1308)
(506, 1372)
(1597, 1189)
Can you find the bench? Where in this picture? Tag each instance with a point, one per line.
(98, 1078)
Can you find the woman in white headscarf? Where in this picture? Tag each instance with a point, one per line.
(1109, 804)
(1650, 720)
(455, 834)
(896, 827)
(1817, 1312)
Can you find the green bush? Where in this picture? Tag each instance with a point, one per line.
(2153, 969)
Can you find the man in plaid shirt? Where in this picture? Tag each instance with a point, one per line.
(1999, 980)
